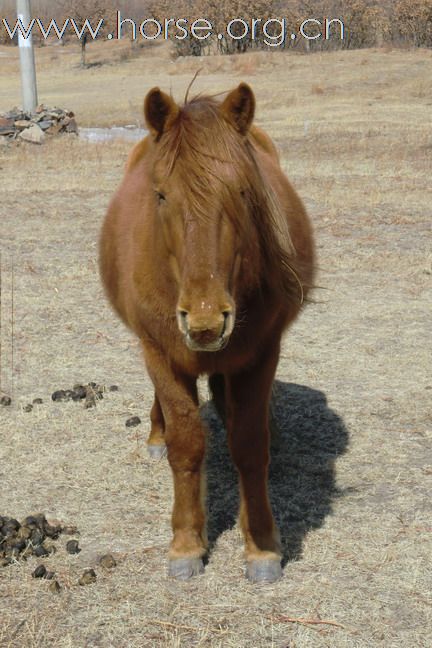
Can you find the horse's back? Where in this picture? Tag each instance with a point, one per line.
(298, 222)
(117, 239)
(264, 142)
(137, 154)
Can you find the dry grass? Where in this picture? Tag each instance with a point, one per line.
(351, 476)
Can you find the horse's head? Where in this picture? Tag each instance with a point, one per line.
(199, 194)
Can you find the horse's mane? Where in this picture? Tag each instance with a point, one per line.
(206, 150)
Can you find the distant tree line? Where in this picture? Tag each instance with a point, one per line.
(367, 23)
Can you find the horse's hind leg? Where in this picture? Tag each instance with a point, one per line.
(275, 432)
(248, 395)
(156, 441)
(217, 388)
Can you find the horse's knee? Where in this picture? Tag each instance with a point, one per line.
(185, 454)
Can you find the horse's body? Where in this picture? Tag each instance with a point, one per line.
(207, 255)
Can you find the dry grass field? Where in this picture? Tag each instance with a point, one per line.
(351, 474)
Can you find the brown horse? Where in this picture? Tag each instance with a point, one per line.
(207, 255)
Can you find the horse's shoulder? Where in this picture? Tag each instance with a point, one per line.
(137, 154)
(264, 142)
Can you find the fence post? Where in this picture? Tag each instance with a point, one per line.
(27, 63)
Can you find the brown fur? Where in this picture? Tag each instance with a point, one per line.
(206, 244)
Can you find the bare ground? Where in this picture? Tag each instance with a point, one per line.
(351, 473)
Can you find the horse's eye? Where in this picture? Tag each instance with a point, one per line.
(160, 197)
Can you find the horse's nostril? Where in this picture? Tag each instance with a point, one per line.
(182, 319)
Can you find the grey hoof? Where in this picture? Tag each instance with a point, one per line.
(156, 451)
(263, 571)
(185, 568)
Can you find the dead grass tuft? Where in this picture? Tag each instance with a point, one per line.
(317, 90)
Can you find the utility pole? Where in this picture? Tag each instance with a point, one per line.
(27, 63)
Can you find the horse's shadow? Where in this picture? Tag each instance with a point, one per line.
(302, 472)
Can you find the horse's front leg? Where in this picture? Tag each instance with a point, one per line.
(248, 396)
(185, 442)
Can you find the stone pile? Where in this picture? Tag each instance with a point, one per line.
(34, 127)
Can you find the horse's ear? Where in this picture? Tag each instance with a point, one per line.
(239, 107)
(160, 110)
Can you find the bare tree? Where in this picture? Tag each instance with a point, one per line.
(413, 22)
(85, 13)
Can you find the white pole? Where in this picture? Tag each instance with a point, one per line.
(27, 63)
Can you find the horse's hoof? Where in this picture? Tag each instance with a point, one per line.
(185, 568)
(264, 571)
(156, 451)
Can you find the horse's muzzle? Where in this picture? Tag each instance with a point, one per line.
(201, 335)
